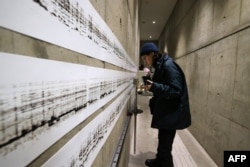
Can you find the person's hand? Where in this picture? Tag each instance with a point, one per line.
(148, 85)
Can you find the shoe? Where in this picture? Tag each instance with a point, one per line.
(151, 163)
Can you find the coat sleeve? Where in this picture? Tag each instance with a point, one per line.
(170, 84)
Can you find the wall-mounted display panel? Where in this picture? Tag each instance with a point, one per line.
(41, 100)
(71, 24)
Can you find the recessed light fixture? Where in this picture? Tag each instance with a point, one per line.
(153, 22)
(150, 36)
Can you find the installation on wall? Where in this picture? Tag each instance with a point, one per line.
(42, 100)
(49, 101)
(76, 26)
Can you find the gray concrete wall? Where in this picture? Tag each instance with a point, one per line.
(210, 40)
(122, 18)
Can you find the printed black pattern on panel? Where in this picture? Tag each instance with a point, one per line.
(28, 109)
(73, 16)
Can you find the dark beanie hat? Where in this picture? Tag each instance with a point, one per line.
(148, 47)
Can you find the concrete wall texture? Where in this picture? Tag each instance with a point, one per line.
(122, 18)
(210, 40)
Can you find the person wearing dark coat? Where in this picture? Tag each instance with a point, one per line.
(169, 105)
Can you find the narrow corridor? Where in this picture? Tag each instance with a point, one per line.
(186, 150)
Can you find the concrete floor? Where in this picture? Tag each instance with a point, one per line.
(186, 150)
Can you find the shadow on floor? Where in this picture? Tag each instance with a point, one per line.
(138, 160)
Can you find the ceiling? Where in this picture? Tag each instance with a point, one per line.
(154, 10)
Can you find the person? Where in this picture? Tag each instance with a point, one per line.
(169, 104)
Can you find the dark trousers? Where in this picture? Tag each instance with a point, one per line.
(164, 150)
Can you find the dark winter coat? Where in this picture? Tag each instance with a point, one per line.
(169, 104)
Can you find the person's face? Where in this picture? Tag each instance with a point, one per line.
(148, 59)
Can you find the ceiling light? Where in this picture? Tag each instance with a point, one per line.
(154, 22)
(150, 36)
